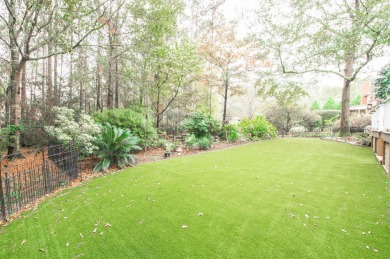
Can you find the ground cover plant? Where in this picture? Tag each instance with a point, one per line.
(285, 198)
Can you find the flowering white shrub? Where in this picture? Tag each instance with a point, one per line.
(67, 130)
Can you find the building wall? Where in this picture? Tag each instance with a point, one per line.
(380, 134)
(386, 116)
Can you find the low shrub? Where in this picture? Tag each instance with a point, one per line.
(131, 120)
(204, 143)
(191, 141)
(69, 130)
(200, 125)
(356, 121)
(114, 146)
(328, 117)
(231, 132)
(257, 128)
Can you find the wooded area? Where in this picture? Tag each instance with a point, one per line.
(168, 58)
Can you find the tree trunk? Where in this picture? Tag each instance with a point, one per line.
(348, 72)
(81, 96)
(345, 98)
(55, 77)
(158, 109)
(225, 98)
(24, 92)
(116, 83)
(70, 82)
(99, 74)
(49, 95)
(99, 85)
(110, 96)
(345, 106)
(16, 69)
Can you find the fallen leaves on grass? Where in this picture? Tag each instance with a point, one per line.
(107, 225)
(42, 250)
(23, 242)
(184, 226)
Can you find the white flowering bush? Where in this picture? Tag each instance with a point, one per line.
(67, 130)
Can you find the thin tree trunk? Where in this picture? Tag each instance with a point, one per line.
(99, 85)
(55, 77)
(110, 93)
(116, 83)
(99, 74)
(44, 81)
(158, 109)
(49, 78)
(225, 98)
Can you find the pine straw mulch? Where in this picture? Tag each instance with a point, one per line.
(86, 166)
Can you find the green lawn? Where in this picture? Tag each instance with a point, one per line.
(302, 198)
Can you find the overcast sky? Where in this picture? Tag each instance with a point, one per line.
(241, 11)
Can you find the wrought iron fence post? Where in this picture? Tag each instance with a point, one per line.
(2, 199)
(44, 171)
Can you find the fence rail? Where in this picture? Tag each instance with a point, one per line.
(40, 172)
(320, 132)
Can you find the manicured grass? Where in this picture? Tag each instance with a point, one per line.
(288, 198)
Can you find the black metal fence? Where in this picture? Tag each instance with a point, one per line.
(37, 173)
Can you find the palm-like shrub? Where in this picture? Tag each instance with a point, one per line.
(114, 146)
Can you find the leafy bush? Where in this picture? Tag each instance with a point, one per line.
(204, 143)
(131, 120)
(69, 130)
(169, 146)
(200, 125)
(356, 121)
(257, 128)
(160, 142)
(311, 119)
(191, 141)
(365, 138)
(329, 117)
(114, 145)
(231, 132)
(7, 135)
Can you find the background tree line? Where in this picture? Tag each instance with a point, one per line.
(164, 58)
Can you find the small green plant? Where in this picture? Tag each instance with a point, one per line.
(204, 143)
(114, 146)
(191, 141)
(159, 142)
(231, 132)
(169, 146)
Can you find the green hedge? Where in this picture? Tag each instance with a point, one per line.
(257, 128)
(129, 119)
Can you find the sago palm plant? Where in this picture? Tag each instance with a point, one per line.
(114, 146)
